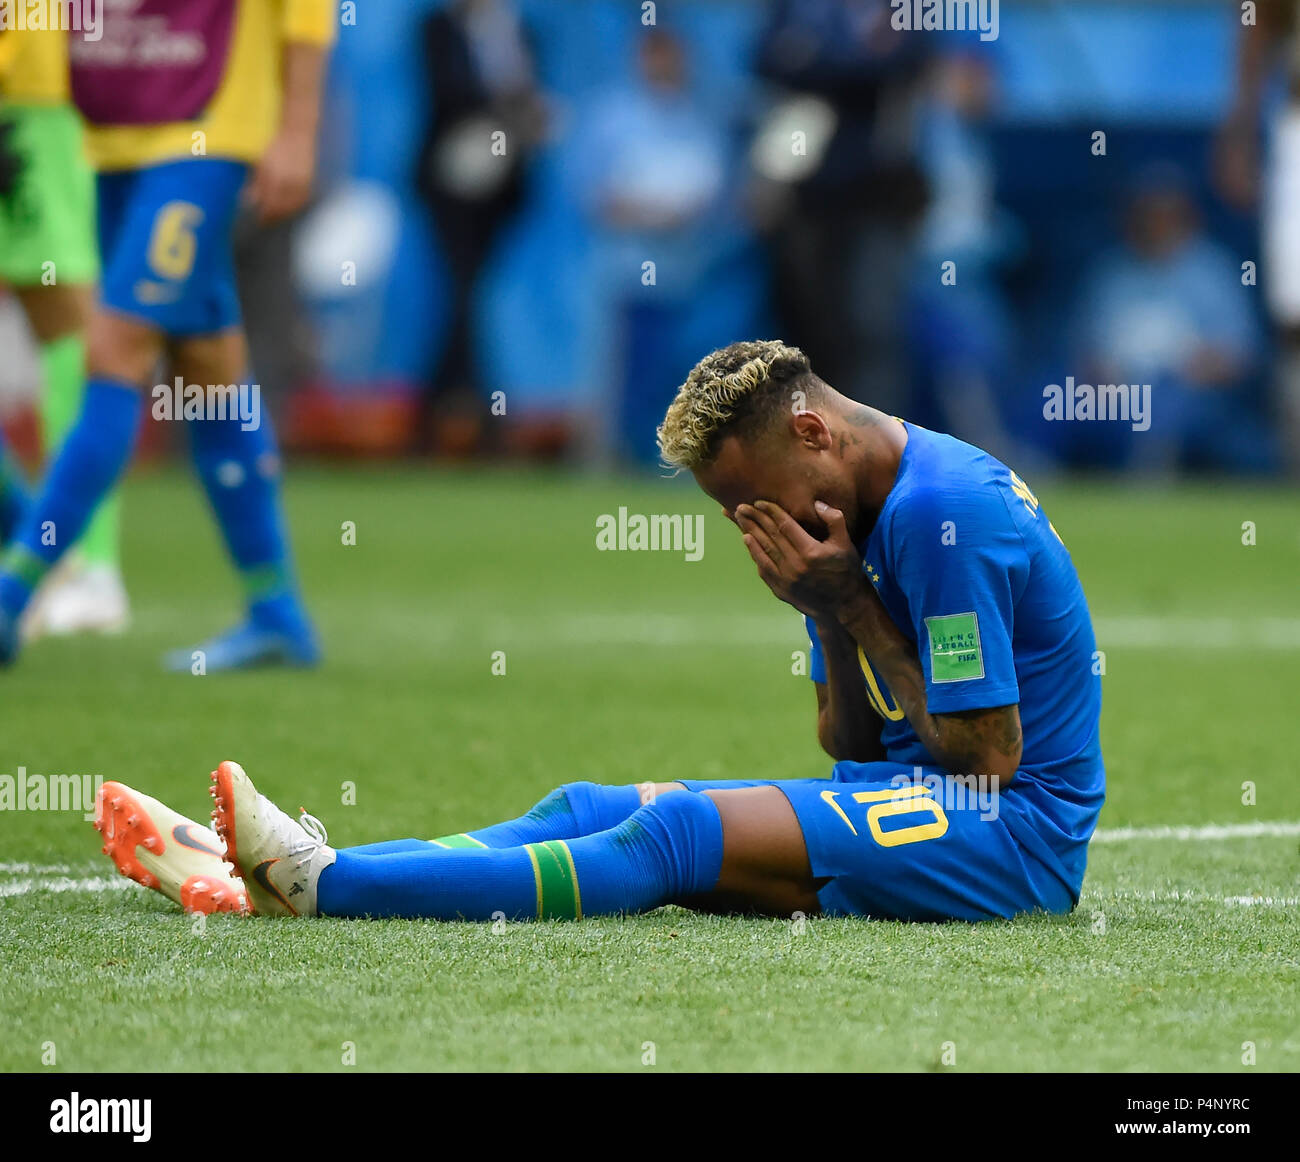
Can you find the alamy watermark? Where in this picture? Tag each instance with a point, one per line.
(75, 1114)
(658, 532)
(179, 400)
(954, 792)
(946, 16)
(1107, 402)
(85, 17)
(33, 792)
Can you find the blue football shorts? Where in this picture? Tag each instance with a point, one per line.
(165, 243)
(911, 843)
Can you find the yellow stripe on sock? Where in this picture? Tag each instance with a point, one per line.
(573, 871)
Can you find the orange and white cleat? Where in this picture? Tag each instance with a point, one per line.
(162, 850)
(279, 858)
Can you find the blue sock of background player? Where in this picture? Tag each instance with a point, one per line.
(239, 466)
(240, 472)
(14, 496)
(94, 454)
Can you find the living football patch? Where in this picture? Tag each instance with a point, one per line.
(955, 654)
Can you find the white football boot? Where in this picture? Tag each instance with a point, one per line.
(280, 859)
(80, 598)
(161, 849)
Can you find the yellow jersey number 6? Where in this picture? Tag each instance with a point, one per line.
(172, 244)
(895, 801)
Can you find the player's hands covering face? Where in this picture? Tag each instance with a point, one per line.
(816, 577)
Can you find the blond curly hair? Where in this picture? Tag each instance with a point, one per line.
(735, 389)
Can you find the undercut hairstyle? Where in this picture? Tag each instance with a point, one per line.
(737, 390)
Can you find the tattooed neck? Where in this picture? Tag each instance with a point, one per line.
(861, 416)
(856, 417)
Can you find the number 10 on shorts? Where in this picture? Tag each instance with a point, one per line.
(895, 801)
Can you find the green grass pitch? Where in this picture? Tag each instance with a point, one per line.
(1184, 953)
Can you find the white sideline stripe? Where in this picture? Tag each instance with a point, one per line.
(1264, 901)
(43, 869)
(1179, 631)
(1207, 834)
(1192, 897)
(92, 884)
(1187, 631)
(719, 628)
(55, 877)
(64, 884)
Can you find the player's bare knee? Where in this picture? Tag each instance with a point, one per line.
(651, 791)
(211, 359)
(122, 349)
(57, 310)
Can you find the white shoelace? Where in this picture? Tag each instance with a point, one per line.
(313, 827)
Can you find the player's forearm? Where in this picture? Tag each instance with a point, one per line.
(846, 727)
(961, 743)
(303, 72)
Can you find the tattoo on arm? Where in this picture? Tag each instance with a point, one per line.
(966, 742)
(970, 734)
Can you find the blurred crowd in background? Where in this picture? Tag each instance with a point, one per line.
(533, 217)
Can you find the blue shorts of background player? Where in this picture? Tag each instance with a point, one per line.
(895, 842)
(165, 239)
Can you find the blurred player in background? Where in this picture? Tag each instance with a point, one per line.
(842, 232)
(1265, 167)
(177, 137)
(1167, 307)
(48, 259)
(481, 80)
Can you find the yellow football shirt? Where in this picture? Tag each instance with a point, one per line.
(244, 113)
(33, 66)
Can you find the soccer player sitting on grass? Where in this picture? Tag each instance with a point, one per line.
(951, 647)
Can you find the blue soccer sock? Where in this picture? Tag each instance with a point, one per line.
(666, 850)
(566, 813)
(14, 497)
(240, 471)
(95, 452)
(389, 847)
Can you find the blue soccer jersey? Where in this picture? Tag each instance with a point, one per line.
(971, 570)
